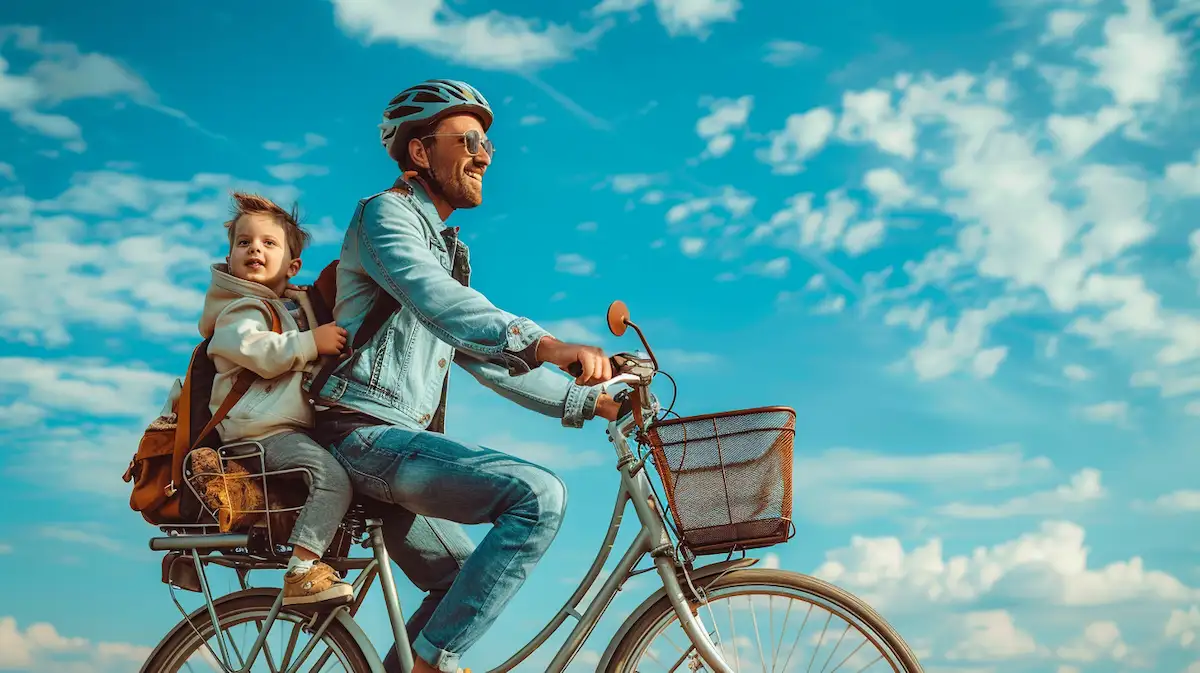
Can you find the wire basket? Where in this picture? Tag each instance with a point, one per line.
(728, 477)
(238, 493)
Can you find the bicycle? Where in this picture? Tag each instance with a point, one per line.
(728, 490)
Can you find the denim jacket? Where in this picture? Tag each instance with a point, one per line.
(398, 242)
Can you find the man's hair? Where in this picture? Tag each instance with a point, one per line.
(253, 204)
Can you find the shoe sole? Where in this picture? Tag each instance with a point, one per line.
(335, 595)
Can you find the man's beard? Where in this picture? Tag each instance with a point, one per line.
(454, 189)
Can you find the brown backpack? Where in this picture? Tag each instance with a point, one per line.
(156, 469)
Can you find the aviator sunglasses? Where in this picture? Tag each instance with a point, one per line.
(472, 139)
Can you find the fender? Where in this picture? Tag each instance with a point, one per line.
(201, 614)
(699, 574)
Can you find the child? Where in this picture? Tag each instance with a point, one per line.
(264, 254)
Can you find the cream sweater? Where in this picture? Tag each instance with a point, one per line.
(239, 322)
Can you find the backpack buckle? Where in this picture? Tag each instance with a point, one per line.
(169, 489)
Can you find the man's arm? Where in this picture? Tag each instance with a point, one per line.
(543, 391)
(396, 255)
(243, 336)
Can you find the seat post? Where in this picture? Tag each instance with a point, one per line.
(390, 597)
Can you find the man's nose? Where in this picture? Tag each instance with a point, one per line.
(482, 157)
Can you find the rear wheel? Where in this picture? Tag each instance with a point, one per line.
(289, 644)
(759, 619)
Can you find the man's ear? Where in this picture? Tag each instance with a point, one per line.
(293, 268)
(416, 150)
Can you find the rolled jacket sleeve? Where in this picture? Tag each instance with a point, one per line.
(397, 256)
(543, 390)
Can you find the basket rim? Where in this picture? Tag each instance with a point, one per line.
(721, 414)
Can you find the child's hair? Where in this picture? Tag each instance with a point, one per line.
(253, 204)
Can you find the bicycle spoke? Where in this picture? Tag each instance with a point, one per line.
(837, 655)
(291, 645)
(754, 620)
(835, 647)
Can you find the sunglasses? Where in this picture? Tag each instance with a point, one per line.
(474, 140)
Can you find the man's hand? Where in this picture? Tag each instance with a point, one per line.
(596, 367)
(330, 339)
(607, 408)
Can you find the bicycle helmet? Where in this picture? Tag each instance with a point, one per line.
(425, 104)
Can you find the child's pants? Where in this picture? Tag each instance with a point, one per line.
(328, 495)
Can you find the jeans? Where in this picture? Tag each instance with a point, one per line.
(328, 494)
(437, 483)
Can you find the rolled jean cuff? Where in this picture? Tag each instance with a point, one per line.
(444, 661)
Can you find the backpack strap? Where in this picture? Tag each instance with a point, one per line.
(384, 307)
(183, 435)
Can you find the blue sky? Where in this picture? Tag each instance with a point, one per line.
(958, 238)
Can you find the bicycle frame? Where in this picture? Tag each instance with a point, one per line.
(652, 540)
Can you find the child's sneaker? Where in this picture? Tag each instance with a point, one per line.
(319, 585)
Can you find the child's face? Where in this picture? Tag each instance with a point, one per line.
(259, 253)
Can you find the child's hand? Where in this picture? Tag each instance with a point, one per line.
(330, 338)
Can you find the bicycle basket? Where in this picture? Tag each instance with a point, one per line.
(728, 477)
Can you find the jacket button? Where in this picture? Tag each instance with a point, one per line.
(442, 362)
(515, 330)
(424, 417)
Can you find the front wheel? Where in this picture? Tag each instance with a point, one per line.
(758, 619)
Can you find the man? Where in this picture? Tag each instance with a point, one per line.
(401, 261)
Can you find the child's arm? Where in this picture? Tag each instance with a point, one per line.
(243, 336)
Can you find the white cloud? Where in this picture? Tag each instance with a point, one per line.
(911, 316)
(1184, 177)
(1139, 58)
(695, 17)
(1100, 640)
(76, 536)
(1077, 373)
(1177, 502)
(60, 72)
(691, 245)
(679, 17)
(490, 41)
(773, 268)
(803, 135)
(733, 201)
(946, 351)
(7, 171)
(587, 226)
(989, 636)
(550, 455)
(816, 282)
(5, 548)
(1076, 134)
(291, 151)
(1049, 566)
(888, 187)
(573, 330)
(991, 468)
(782, 53)
(294, 171)
(1106, 412)
(1183, 626)
(868, 116)
(831, 305)
(41, 648)
(89, 387)
(863, 236)
(1083, 487)
(628, 183)
(725, 116)
(1061, 24)
(532, 120)
(574, 264)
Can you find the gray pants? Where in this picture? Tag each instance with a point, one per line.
(329, 491)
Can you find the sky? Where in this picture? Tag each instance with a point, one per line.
(958, 238)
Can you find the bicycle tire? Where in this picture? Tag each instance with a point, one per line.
(183, 641)
(839, 598)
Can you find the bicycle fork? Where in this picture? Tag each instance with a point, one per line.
(662, 550)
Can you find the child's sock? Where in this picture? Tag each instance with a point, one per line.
(295, 565)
